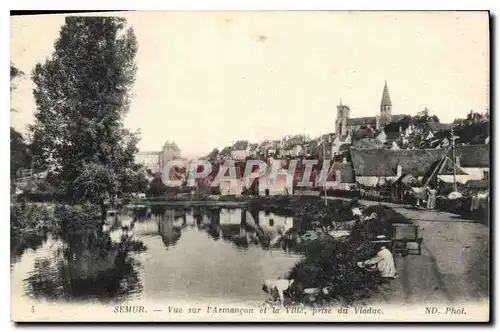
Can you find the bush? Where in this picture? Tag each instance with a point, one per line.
(29, 224)
(78, 220)
(380, 225)
(40, 197)
(461, 206)
(332, 263)
(343, 193)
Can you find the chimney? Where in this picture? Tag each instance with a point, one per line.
(399, 170)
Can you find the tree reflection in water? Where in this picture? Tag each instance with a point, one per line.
(19, 244)
(240, 226)
(214, 229)
(89, 266)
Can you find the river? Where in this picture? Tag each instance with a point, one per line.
(190, 253)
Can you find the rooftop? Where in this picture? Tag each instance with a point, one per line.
(368, 120)
(386, 99)
(370, 162)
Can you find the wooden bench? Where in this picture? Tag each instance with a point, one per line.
(402, 234)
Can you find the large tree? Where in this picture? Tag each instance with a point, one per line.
(213, 155)
(14, 73)
(82, 96)
(20, 156)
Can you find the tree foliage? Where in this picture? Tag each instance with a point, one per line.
(213, 155)
(420, 121)
(157, 187)
(368, 143)
(14, 73)
(82, 96)
(20, 155)
(226, 152)
(474, 129)
(240, 145)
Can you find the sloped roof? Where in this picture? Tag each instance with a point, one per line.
(444, 167)
(474, 155)
(346, 171)
(386, 99)
(369, 162)
(368, 120)
(478, 184)
(436, 126)
(406, 179)
(294, 140)
(398, 117)
(171, 145)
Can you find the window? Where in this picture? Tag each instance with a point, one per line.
(486, 175)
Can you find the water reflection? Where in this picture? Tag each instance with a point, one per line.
(212, 253)
(170, 225)
(87, 265)
(113, 278)
(19, 244)
(203, 252)
(242, 227)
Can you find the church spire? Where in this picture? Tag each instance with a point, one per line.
(386, 99)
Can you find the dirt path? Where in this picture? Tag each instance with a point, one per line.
(453, 267)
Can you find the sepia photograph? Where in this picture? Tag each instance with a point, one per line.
(250, 166)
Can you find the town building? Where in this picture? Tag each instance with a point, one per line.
(345, 125)
(294, 146)
(232, 186)
(170, 151)
(377, 167)
(240, 154)
(150, 160)
(271, 186)
(269, 221)
(340, 176)
(474, 160)
(240, 150)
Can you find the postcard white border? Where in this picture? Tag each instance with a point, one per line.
(192, 5)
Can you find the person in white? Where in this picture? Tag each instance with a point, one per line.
(277, 287)
(356, 212)
(381, 264)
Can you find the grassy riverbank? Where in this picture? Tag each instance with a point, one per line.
(329, 263)
(86, 263)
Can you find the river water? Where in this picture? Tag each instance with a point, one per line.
(186, 254)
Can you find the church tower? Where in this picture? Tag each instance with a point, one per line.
(343, 114)
(385, 107)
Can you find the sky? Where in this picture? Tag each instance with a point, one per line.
(208, 79)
